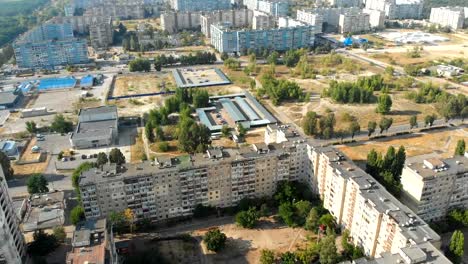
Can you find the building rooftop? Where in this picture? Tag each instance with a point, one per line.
(94, 128)
(98, 110)
(8, 97)
(44, 211)
(436, 167)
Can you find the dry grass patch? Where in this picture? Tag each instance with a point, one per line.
(143, 83)
(137, 150)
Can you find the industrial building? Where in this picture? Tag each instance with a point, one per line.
(433, 186)
(276, 8)
(452, 17)
(50, 45)
(241, 18)
(10, 99)
(12, 244)
(96, 127)
(397, 9)
(226, 39)
(232, 110)
(200, 5)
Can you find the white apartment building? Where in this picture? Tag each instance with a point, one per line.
(353, 22)
(12, 245)
(344, 3)
(434, 186)
(376, 18)
(274, 8)
(397, 9)
(235, 17)
(377, 221)
(262, 20)
(313, 19)
(452, 17)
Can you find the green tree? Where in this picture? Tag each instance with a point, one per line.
(267, 256)
(163, 146)
(288, 258)
(247, 219)
(291, 57)
(85, 166)
(37, 184)
(241, 130)
(43, 244)
(302, 210)
(201, 99)
(273, 58)
(61, 125)
(116, 156)
(460, 149)
(59, 233)
(139, 65)
(149, 132)
(429, 120)
(77, 214)
(286, 212)
(101, 159)
(31, 127)
(215, 240)
(384, 104)
(328, 252)
(225, 131)
(354, 128)
(309, 124)
(312, 220)
(371, 126)
(385, 124)
(413, 121)
(456, 247)
(159, 134)
(232, 64)
(327, 220)
(6, 166)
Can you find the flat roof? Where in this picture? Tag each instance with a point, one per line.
(454, 165)
(8, 97)
(98, 110)
(94, 129)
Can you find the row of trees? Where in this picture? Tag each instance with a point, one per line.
(348, 92)
(280, 90)
(190, 59)
(387, 169)
(139, 64)
(323, 126)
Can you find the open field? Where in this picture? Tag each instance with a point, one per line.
(133, 23)
(442, 142)
(244, 245)
(30, 169)
(138, 106)
(143, 83)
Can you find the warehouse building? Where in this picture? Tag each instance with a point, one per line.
(96, 127)
(10, 99)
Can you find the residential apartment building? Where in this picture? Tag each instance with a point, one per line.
(226, 39)
(353, 22)
(99, 28)
(12, 244)
(49, 45)
(275, 8)
(117, 11)
(377, 221)
(235, 17)
(310, 18)
(199, 5)
(376, 18)
(452, 17)
(173, 22)
(171, 188)
(432, 187)
(262, 21)
(344, 3)
(327, 16)
(397, 9)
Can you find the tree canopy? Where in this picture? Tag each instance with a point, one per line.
(61, 125)
(215, 240)
(37, 184)
(116, 156)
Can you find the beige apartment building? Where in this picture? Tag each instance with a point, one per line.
(172, 187)
(434, 186)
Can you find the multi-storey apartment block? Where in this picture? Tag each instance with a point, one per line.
(236, 17)
(117, 11)
(176, 21)
(275, 8)
(452, 17)
(169, 188)
(328, 16)
(376, 18)
(200, 5)
(261, 21)
(49, 45)
(12, 245)
(352, 22)
(397, 9)
(310, 18)
(344, 3)
(226, 39)
(99, 28)
(434, 186)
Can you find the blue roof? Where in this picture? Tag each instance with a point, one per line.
(348, 41)
(57, 83)
(232, 110)
(246, 108)
(87, 80)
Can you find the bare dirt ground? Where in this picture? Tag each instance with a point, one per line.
(179, 251)
(30, 169)
(137, 150)
(138, 106)
(441, 142)
(244, 245)
(143, 83)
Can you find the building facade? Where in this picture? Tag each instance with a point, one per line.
(353, 23)
(329, 17)
(117, 11)
(452, 17)
(12, 244)
(376, 18)
(176, 21)
(261, 21)
(50, 45)
(225, 39)
(99, 28)
(397, 9)
(199, 5)
(276, 8)
(235, 17)
(344, 3)
(310, 18)
(432, 187)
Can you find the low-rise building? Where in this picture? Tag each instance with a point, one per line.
(10, 99)
(90, 243)
(9, 148)
(452, 17)
(448, 70)
(96, 127)
(44, 211)
(433, 186)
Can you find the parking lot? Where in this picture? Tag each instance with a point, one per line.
(60, 101)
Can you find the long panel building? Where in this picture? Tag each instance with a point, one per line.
(49, 45)
(277, 8)
(236, 17)
(200, 5)
(168, 188)
(452, 17)
(397, 9)
(99, 28)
